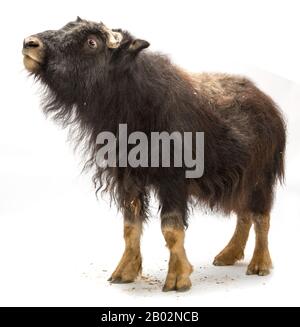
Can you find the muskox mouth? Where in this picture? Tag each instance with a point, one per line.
(31, 62)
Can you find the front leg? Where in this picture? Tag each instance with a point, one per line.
(173, 203)
(131, 262)
(179, 267)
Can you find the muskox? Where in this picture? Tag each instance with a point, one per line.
(98, 78)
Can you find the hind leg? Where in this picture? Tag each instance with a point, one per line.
(234, 250)
(261, 262)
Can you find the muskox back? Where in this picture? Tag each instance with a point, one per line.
(256, 122)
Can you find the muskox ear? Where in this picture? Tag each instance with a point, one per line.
(138, 45)
(78, 19)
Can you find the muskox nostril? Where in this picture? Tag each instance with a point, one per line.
(32, 42)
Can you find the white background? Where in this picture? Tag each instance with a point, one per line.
(58, 244)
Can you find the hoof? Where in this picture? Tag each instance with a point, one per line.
(179, 289)
(228, 257)
(119, 280)
(168, 289)
(183, 288)
(256, 270)
(260, 264)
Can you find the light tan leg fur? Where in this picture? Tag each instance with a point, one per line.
(261, 262)
(234, 250)
(131, 262)
(179, 266)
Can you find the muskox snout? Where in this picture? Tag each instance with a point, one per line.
(33, 52)
(32, 42)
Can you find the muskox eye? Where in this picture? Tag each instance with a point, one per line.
(92, 43)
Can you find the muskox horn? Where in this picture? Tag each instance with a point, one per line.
(113, 39)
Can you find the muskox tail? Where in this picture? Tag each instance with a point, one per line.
(279, 165)
(279, 155)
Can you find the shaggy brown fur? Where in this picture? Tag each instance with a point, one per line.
(97, 79)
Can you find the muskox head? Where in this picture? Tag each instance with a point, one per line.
(82, 54)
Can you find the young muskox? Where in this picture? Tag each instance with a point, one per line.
(98, 78)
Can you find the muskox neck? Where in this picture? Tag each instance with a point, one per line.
(152, 94)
